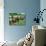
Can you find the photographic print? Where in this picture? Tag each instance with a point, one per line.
(17, 19)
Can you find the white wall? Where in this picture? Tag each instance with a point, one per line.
(1, 21)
